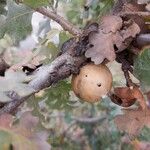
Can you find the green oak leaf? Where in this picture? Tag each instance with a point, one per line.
(17, 22)
(63, 36)
(142, 68)
(57, 97)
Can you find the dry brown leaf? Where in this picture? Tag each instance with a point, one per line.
(128, 96)
(102, 47)
(103, 43)
(131, 31)
(36, 61)
(23, 134)
(109, 36)
(133, 120)
(124, 37)
(110, 24)
(27, 58)
(122, 101)
(140, 145)
(124, 92)
(6, 120)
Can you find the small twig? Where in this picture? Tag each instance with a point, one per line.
(66, 25)
(56, 4)
(139, 13)
(54, 7)
(143, 40)
(127, 77)
(126, 67)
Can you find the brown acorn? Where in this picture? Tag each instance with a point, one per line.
(93, 82)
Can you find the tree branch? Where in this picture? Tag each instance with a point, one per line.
(62, 67)
(143, 40)
(66, 25)
(69, 62)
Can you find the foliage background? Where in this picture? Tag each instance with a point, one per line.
(58, 107)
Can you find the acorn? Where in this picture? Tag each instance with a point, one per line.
(92, 83)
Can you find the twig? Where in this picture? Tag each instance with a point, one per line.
(126, 70)
(143, 40)
(139, 13)
(54, 7)
(126, 66)
(11, 107)
(66, 25)
(56, 4)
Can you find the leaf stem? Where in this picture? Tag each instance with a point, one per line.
(66, 25)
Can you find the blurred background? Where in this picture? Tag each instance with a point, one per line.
(72, 123)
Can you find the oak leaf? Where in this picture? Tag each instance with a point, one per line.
(124, 37)
(111, 24)
(113, 34)
(133, 120)
(126, 96)
(22, 135)
(19, 59)
(103, 44)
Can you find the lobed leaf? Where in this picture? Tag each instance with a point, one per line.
(57, 97)
(22, 135)
(126, 96)
(112, 36)
(17, 22)
(133, 120)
